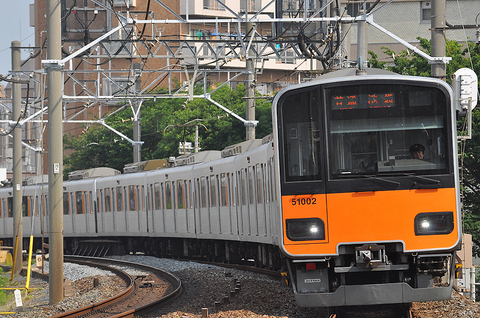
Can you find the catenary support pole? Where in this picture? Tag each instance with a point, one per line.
(438, 24)
(17, 155)
(137, 134)
(55, 152)
(250, 89)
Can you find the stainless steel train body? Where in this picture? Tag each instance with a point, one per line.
(333, 196)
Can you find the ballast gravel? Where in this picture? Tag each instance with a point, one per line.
(207, 286)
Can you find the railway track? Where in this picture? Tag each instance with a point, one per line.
(133, 300)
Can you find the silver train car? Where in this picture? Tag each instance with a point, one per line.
(332, 197)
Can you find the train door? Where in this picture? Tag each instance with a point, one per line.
(119, 210)
(261, 200)
(198, 217)
(214, 211)
(241, 201)
(9, 208)
(181, 206)
(301, 160)
(126, 206)
(224, 201)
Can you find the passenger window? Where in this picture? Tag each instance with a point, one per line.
(101, 201)
(168, 195)
(66, 204)
(79, 199)
(213, 191)
(203, 192)
(119, 199)
(157, 196)
(259, 184)
(243, 187)
(223, 190)
(251, 180)
(180, 195)
(25, 206)
(131, 194)
(10, 207)
(108, 201)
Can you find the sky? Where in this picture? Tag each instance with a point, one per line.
(15, 26)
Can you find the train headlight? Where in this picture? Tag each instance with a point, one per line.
(305, 229)
(434, 223)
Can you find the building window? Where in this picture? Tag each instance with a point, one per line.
(354, 8)
(426, 13)
(213, 4)
(252, 5)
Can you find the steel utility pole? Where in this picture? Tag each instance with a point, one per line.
(137, 133)
(438, 24)
(250, 89)
(55, 150)
(17, 155)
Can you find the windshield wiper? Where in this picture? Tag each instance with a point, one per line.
(424, 182)
(395, 183)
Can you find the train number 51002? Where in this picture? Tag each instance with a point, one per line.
(304, 201)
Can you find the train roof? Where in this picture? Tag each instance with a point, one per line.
(354, 72)
(92, 173)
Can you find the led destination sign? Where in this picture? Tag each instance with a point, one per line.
(383, 100)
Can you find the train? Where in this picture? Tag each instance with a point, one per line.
(335, 197)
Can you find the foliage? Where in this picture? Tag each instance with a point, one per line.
(162, 130)
(409, 63)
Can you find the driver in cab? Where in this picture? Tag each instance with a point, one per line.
(417, 151)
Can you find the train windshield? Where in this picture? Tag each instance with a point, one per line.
(386, 130)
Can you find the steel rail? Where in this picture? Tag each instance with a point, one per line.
(100, 262)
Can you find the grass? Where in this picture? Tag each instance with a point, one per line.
(4, 281)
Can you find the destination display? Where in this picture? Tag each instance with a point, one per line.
(359, 101)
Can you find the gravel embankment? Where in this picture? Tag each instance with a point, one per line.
(206, 286)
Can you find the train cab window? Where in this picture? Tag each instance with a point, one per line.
(372, 128)
(119, 199)
(108, 201)
(66, 203)
(168, 195)
(301, 136)
(156, 188)
(79, 201)
(10, 207)
(180, 195)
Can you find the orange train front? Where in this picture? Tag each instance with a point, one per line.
(367, 175)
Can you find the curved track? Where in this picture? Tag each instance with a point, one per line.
(127, 293)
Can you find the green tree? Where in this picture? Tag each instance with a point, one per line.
(161, 131)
